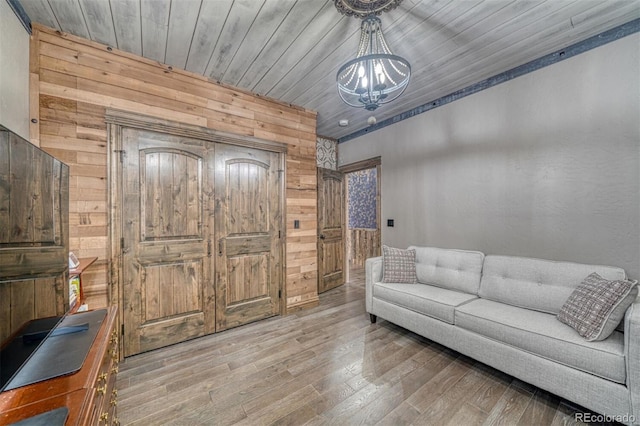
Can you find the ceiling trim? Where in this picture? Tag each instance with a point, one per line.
(21, 14)
(598, 40)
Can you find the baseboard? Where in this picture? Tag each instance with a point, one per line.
(307, 304)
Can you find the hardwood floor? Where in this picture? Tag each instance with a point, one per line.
(326, 365)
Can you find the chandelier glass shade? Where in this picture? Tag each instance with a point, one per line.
(376, 76)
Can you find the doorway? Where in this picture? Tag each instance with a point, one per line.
(196, 231)
(363, 233)
(331, 229)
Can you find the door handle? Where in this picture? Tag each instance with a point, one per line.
(322, 237)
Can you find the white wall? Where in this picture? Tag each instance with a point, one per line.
(545, 165)
(14, 72)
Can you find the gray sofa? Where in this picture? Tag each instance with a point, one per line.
(501, 310)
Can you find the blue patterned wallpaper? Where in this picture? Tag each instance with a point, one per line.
(362, 199)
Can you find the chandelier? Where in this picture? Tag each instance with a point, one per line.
(375, 76)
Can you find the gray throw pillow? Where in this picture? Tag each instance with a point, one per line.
(398, 265)
(597, 306)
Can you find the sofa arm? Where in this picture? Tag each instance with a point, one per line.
(632, 356)
(373, 274)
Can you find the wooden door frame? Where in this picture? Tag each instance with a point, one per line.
(117, 121)
(375, 162)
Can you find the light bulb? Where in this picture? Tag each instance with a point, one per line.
(361, 71)
(365, 82)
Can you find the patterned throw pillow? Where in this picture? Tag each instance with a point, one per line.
(398, 266)
(597, 306)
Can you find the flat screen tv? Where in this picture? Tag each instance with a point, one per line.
(34, 250)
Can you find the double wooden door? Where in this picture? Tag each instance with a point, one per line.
(201, 237)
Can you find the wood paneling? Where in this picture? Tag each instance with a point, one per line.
(78, 79)
(291, 50)
(361, 245)
(126, 21)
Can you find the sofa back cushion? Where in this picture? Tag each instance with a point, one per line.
(542, 285)
(452, 269)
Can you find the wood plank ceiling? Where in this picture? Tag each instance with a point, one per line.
(290, 50)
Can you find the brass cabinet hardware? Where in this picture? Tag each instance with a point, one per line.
(101, 390)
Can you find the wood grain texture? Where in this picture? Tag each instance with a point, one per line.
(480, 39)
(326, 365)
(264, 26)
(166, 287)
(126, 20)
(291, 50)
(71, 16)
(361, 245)
(238, 22)
(101, 28)
(34, 233)
(34, 90)
(248, 236)
(331, 229)
(213, 14)
(296, 21)
(41, 10)
(80, 79)
(155, 25)
(182, 22)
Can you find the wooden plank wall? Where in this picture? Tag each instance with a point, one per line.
(362, 244)
(76, 79)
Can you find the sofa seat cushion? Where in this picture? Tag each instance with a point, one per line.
(425, 299)
(542, 334)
